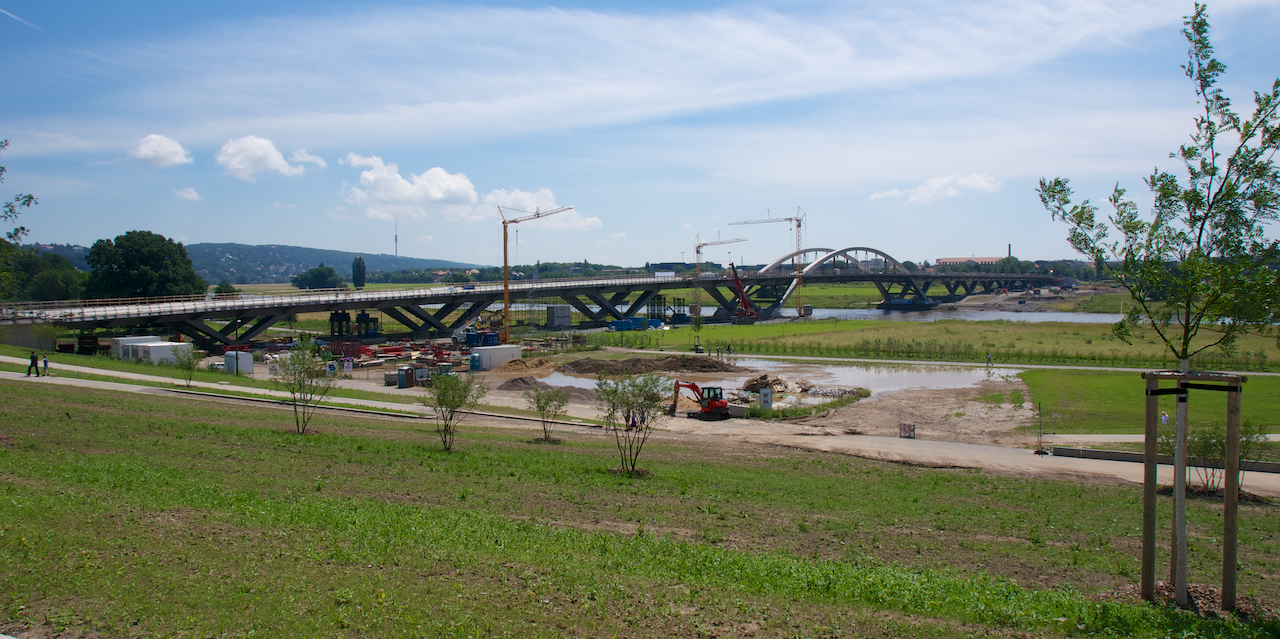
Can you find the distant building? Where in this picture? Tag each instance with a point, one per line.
(957, 261)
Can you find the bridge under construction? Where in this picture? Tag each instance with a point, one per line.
(443, 309)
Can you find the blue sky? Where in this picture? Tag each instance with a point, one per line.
(918, 128)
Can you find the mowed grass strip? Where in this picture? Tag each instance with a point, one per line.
(154, 516)
(1072, 344)
(1081, 401)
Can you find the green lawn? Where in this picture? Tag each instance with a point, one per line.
(1008, 342)
(137, 515)
(1113, 402)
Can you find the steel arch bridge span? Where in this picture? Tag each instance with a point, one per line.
(861, 260)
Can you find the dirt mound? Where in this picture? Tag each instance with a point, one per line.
(639, 365)
(521, 384)
(523, 365)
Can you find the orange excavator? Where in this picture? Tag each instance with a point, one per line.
(714, 405)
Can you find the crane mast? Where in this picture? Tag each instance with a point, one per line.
(506, 266)
(696, 307)
(798, 219)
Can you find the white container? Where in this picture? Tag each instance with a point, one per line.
(239, 362)
(492, 357)
(118, 344)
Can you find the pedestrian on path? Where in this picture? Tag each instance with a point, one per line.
(988, 358)
(35, 364)
(46, 365)
(1164, 418)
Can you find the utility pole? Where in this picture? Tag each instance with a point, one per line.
(506, 265)
(798, 219)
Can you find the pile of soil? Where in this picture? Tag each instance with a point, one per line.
(523, 365)
(640, 365)
(576, 395)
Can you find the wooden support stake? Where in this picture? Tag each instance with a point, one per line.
(1229, 503)
(1152, 433)
(1178, 563)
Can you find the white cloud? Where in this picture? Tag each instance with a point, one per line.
(242, 157)
(282, 205)
(938, 188)
(544, 200)
(157, 150)
(187, 194)
(386, 194)
(301, 155)
(617, 236)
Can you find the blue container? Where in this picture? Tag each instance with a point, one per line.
(473, 339)
(639, 323)
(489, 339)
(620, 325)
(475, 361)
(655, 323)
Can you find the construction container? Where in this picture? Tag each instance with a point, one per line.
(491, 357)
(404, 377)
(118, 343)
(558, 317)
(238, 362)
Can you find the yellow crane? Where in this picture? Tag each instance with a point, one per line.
(506, 266)
(695, 309)
(798, 219)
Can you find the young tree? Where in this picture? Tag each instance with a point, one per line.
(301, 374)
(188, 362)
(632, 407)
(550, 403)
(225, 288)
(1199, 268)
(9, 248)
(319, 277)
(357, 272)
(453, 397)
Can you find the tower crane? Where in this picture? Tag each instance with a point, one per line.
(695, 309)
(506, 266)
(798, 219)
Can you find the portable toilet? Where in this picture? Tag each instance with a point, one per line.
(475, 361)
(404, 377)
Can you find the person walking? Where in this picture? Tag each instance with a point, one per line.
(35, 364)
(46, 365)
(988, 358)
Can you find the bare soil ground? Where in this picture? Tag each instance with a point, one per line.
(939, 414)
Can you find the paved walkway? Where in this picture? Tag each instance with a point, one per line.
(1005, 461)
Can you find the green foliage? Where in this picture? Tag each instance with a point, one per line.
(1200, 269)
(453, 397)
(141, 264)
(632, 406)
(45, 276)
(300, 373)
(225, 288)
(459, 277)
(319, 277)
(357, 272)
(8, 247)
(187, 361)
(550, 403)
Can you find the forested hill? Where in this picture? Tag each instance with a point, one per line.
(246, 264)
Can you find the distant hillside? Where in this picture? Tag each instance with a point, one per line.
(73, 252)
(245, 264)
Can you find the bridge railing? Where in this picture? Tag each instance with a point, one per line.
(125, 308)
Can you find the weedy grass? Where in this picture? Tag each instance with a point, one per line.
(1061, 343)
(124, 514)
(1079, 401)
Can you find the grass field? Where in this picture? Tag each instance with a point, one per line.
(137, 515)
(951, 340)
(1114, 402)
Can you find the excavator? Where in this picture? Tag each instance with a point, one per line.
(714, 405)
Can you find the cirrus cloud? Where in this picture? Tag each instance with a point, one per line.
(242, 157)
(943, 187)
(158, 150)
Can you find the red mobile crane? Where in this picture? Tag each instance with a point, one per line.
(714, 405)
(746, 312)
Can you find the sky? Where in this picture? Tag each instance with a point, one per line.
(917, 128)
